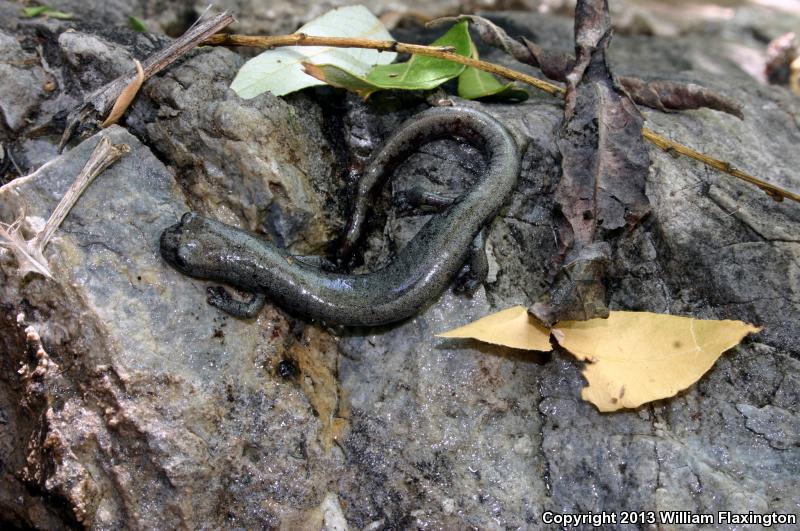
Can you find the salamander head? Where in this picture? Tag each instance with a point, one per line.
(192, 246)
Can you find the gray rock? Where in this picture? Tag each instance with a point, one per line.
(265, 161)
(171, 17)
(161, 393)
(282, 17)
(108, 59)
(141, 405)
(23, 83)
(777, 425)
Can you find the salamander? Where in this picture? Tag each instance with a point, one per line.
(207, 249)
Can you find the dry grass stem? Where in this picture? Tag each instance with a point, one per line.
(30, 253)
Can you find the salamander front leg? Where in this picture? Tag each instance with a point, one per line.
(476, 269)
(417, 198)
(219, 297)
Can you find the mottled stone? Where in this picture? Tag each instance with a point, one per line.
(23, 83)
(265, 161)
(165, 410)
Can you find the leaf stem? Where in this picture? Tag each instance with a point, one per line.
(301, 39)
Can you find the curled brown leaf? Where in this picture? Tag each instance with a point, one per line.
(604, 167)
(125, 97)
(673, 96)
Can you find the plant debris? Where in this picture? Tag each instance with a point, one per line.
(30, 253)
(637, 357)
(631, 357)
(125, 97)
(604, 167)
(557, 64)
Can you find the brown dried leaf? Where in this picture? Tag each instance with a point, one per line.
(673, 96)
(555, 64)
(125, 97)
(604, 167)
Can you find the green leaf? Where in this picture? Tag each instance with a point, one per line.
(37, 11)
(418, 73)
(337, 77)
(34, 11)
(475, 84)
(280, 71)
(137, 24)
(422, 72)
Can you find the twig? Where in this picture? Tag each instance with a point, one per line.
(97, 105)
(301, 39)
(439, 52)
(103, 155)
(30, 253)
(771, 190)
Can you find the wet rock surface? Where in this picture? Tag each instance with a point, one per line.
(125, 400)
(277, 173)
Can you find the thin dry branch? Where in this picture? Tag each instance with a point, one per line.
(301, 39)
(97, 105)
(446, 53)
(668, 145)
(30, 253)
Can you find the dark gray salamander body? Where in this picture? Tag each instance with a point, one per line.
(208, 249)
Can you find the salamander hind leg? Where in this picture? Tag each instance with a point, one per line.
(219, 297)
(317, 261)
(476, 269)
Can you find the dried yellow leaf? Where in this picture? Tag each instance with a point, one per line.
(638, 357)
(513, 327)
